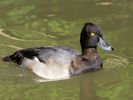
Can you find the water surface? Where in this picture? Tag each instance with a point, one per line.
(35, 23)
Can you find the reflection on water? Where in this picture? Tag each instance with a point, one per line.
(114, 87)
(56, 22)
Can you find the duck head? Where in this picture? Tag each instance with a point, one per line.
(91, 37)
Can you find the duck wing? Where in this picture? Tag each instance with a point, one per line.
(57, 54)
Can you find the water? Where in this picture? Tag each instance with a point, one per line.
(35, 23)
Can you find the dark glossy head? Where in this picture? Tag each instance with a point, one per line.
(91, 36)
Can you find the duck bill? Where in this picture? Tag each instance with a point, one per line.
(104, 45)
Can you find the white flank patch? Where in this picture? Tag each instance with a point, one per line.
(51, 70)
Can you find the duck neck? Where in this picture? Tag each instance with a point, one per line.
(89, 53)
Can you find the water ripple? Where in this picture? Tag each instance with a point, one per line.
(10, 37)
(4, 34)
(114, 61)
(11, 46)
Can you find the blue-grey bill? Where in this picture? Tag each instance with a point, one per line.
(104, 45)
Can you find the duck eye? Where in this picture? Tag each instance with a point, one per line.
(92, 34)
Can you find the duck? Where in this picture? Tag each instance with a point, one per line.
(58, 62)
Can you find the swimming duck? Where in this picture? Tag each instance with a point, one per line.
(58, 62)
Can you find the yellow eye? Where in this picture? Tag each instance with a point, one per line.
(92, 34)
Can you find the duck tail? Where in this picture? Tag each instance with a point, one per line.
(17, 57)
(7, 58)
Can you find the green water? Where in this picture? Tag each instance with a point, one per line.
(35, 23)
